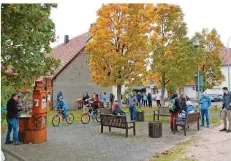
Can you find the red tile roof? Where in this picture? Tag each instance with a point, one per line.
(224, 56)
(67, 52)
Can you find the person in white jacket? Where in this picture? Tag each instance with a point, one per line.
(158, 95)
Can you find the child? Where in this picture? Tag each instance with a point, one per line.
(63, 105)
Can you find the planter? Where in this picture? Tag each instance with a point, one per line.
(140, 116)
(155, 129)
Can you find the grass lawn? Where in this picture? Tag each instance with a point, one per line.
(177, 152)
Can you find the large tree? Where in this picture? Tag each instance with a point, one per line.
(27, 32)
(119, 45)
(173, 61)
(210, 65)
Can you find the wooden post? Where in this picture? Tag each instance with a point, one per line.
(134, 128)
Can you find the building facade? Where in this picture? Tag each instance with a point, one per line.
(72, 77)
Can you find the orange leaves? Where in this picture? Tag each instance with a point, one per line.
(119, 45)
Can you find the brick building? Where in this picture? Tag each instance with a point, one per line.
(72, 77)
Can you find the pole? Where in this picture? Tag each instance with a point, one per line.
(198, 83)
(228, 62)
(198, 80)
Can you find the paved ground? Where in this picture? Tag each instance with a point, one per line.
(86, 143)
(213, 146)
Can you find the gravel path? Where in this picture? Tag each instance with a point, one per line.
(213, 146)
(86, 143)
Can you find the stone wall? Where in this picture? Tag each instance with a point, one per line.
(74, 80)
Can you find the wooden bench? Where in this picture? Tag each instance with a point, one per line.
(117, 122)
(162, 111)
(191, 118)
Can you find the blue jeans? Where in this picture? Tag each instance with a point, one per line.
(132, 111)
(65, 114)
(12, 124)
(204, 112)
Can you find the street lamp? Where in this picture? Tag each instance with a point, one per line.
(196, 44)
(228, 62)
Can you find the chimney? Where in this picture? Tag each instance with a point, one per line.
(91, 25)
(66, 39)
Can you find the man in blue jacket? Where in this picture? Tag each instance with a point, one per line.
(205, 103)
(226, 109)
(132, 101)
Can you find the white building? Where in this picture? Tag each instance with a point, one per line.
(190, 91)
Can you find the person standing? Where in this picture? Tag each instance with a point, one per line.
(183, 101)
(112, 98)
(101, 98)
(158, 99)
(142, 99)
(149, 100)
(174, 109)
(132, 100)
(145, 98)
(138, 96)
(226, 109)
(205, 103)
(12, 120)
(105, 98)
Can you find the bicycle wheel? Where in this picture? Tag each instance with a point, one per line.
(70, 118)
(85, 118)
(56, 120)
(97, 116)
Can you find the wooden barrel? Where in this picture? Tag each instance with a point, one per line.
(25, 123)
(155, 129)
(140, 116)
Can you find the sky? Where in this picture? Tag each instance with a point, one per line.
(74, 18)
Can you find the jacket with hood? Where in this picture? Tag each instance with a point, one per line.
(178, 107)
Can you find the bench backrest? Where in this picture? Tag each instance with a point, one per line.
(163, 110)
(113, 120)
(192, 117)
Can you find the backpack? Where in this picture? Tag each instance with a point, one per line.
(171, 105)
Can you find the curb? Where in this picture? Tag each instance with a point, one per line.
(12, 154)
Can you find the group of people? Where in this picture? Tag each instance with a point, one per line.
(180, 106)
(101, 99)
(144, 99)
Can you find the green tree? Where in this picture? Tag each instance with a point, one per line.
(174, 60)
(27, 32)
(210, 65)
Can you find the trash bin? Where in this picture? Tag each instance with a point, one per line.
(155, 129)
(140, 116)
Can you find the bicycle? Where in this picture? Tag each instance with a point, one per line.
(59, 115)
(86, 117)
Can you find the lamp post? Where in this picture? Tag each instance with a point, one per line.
(196, 44)
(228, 62)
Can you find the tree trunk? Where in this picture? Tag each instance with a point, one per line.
(119, 87)
(162, 102)
(163, 86)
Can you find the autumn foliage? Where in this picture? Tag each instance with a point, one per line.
(129, 38)
(118, 48)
